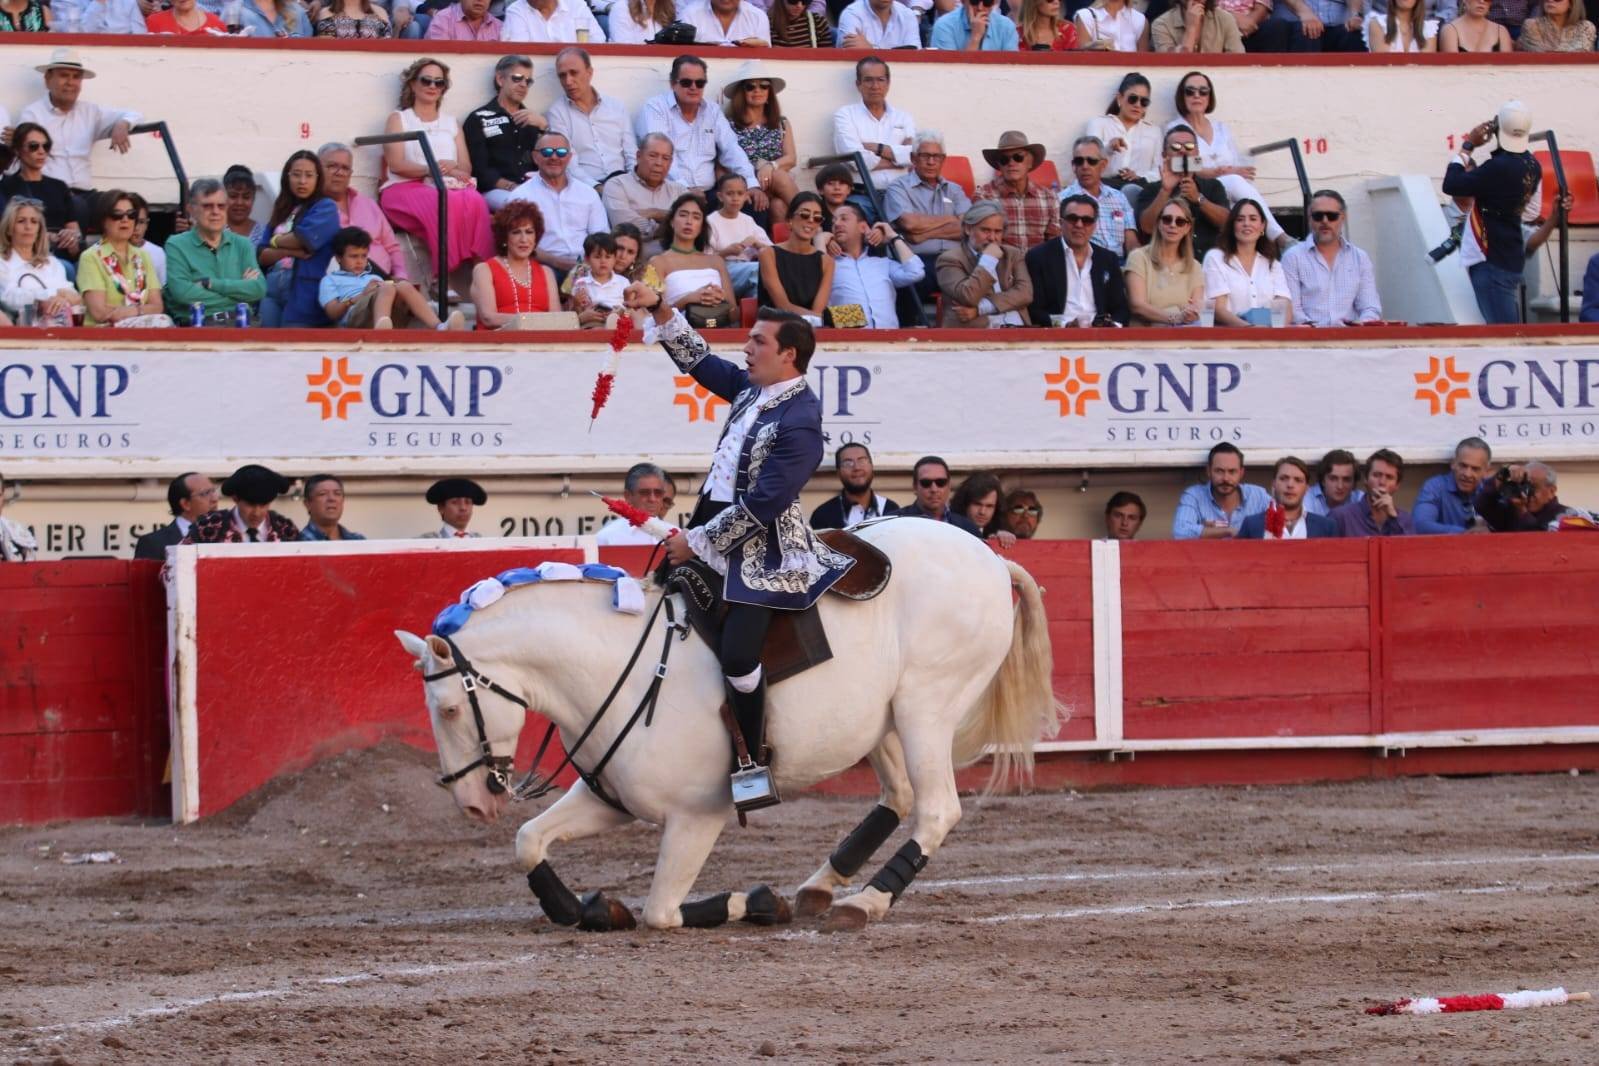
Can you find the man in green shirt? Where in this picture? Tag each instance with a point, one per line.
(210, 264)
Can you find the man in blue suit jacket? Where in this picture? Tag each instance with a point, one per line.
(748, 525)
(1289, 482)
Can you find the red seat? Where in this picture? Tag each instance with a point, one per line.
(958, 168)
(1580, 180)
(779, 232)
(1046, 175)
(746, 310)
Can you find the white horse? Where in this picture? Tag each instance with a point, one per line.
(944, 664)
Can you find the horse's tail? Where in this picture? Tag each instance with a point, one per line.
(1019, 706)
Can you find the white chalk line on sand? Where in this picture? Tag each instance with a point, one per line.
(1234, 871)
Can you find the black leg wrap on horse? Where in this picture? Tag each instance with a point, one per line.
(863, 841)
(560, 906)
(595, 916)
(897, 873)
(707, 912)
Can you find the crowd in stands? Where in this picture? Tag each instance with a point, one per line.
(551, 215)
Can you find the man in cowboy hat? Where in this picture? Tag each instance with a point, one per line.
(455, 497)
(74, 125)
(1031, 214)
(250, 520)
(748, 526)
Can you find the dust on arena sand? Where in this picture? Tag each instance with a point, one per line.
(349, 914)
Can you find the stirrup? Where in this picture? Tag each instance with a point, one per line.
(753, 786)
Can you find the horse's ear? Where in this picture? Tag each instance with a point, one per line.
(441, 651)
(413, 644)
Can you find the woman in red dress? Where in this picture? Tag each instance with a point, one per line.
(513, 282)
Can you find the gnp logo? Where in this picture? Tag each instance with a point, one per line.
(64, 408)
(413, 404)
(1544, 399)
(1150, 400)
(843, 389)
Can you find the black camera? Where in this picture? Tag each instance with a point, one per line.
(675, 33)
(1512, 489)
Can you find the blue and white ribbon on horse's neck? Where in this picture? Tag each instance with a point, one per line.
(627, 595)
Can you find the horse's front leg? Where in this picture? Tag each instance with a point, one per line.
(575, 815)
(888, 760)
(686, 842)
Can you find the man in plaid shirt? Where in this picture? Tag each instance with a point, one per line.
(1031, 213)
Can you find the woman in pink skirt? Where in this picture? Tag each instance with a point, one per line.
(408, 196)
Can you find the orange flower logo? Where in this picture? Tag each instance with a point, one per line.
(1442, 385)
(1071, 386)
(334, 388)
(700, 401)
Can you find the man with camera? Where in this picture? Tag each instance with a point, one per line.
(1501, 190)
(1179, 177)
(1520, 498)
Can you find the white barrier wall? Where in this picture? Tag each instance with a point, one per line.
(1357, 118)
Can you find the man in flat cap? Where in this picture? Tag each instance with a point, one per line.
(455, 497)
(250, 520)
(984, 280)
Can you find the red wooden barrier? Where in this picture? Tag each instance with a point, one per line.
(83, 721)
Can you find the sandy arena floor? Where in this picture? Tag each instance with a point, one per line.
(350, 915)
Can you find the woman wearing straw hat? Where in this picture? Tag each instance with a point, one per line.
(765, 136)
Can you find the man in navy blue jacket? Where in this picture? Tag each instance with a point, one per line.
(1289, 483)
(1500, 190)
(748, 525)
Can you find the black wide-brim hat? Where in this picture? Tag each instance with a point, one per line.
(256, 484)
(453, 488)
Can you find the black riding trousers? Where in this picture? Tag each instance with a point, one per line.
(743, 635)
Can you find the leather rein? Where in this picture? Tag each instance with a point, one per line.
(501, 768)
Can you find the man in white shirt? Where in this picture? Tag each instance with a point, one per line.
(871, 281)
(702, 134)
(729, 22)
(599, 129)
(879, 24)
(74, 125)
(551, 22)
(571, 209)
(644, 487)
(885, 134)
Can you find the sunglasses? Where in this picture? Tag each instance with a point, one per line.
(1031, 512)
(35, 146)
(520, 79)
(1086, 160)
(758, 86)
(692, 83)
(1326, 216)
(932, 482)
(27, 201)
(1196, 90)
(1182, 146)
(984, 3)
(1137, 101)
(1080, 220)
(432, 83)
(806, 216)
(1016, 157)
(555, 153)
(1175, 220)
(122, 216)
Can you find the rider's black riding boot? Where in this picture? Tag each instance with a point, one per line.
(749, 708)
(753, 785)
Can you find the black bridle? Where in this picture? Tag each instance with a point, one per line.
(501, 768)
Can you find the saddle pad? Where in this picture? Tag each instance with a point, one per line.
(869, 576)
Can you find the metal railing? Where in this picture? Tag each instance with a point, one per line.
(161, 131)
(1291, 146)
(1562, 190)
(440, 259)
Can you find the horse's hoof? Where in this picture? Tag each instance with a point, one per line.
(844, 919)
(601, 914)
(762, 906)
(812, 902)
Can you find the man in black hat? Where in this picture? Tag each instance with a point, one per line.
(251, 519)
(188, 497)
(455, 497)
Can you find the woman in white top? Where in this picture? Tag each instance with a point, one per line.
(638, 21)
(29, 274)
(408, 197)
(1132, 141)
(1243, 278)
(689, 274)
(1405, 28)
(1219, 155)
(1112, 26)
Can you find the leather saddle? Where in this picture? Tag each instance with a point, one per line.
(797, 640)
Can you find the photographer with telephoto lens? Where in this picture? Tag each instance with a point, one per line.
(1520, 498)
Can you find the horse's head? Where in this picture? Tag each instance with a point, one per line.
(476, 744)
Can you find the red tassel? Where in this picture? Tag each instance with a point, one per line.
(634, 515)
(624, 330)
(602, 392)
(1276, 520)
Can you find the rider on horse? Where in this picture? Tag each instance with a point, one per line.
(748, 525)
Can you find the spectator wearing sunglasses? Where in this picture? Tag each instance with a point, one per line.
(1074, 280)
(730, 22)
(1131, 140)
(974, 26)
(1020, 513)
(1031, 211)
(32, 144)
(551, 22)
(930, 481)
(501, 134)
(571, 209)
(1330, 281)
(1115, 230)
(74, 125)
(702, 134)
(597, 128)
